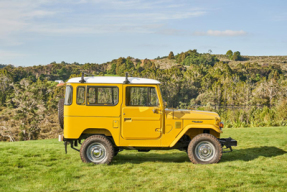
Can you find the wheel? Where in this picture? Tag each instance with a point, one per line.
(61, 113)
(204, 149)
(97, 149)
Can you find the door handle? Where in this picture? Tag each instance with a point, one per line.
(157, 130)
(127, 119)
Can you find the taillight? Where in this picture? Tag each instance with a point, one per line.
(221, 125)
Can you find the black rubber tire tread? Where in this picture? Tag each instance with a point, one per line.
(101, 139)
(204, 137)
(61, 113)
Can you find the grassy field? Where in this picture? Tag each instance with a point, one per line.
(257, 164)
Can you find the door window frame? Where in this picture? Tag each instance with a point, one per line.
(148, 93)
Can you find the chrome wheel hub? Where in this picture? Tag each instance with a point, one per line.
(96, 153)
(205, 151)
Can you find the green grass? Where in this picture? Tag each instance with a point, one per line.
(257, 164)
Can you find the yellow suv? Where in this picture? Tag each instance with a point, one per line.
(115, 113)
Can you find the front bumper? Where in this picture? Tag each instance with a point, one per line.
(228, 142)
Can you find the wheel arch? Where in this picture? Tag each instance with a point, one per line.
(193, 130)
(100, 131)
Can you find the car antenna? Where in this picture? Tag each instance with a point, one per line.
(82, 78)
(127, 80)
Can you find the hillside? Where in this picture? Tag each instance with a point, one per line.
(255, 164)
(263, 61)
(250, 92)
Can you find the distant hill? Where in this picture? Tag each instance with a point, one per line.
(264, 61)
(2, 66)
(261, 60)
(245, 90)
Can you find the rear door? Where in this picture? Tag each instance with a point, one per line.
(141, 117)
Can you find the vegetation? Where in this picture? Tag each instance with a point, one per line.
(229, 54)
(171, 55)
(247, 93)
(236, 56)
(257, 164)
(2, 66)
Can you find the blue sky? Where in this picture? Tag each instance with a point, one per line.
(34, 32)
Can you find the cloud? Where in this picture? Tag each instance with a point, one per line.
(169, 31)
(10, 54)
(19, 19)
(220, 33)
(18, 16)
(132, 4)
(155, 17)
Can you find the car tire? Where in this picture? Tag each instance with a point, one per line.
(97, 149)
(61, 113)
(204, 149)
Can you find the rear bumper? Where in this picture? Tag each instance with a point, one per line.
(61, 138)
(228, 142)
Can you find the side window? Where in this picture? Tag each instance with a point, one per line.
(103, 96)
(68, 95)
(108, 95)
(141, 96)
(91, 95)
(81, 95)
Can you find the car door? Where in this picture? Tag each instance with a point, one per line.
(141, 114)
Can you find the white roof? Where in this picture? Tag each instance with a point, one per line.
(114, 80)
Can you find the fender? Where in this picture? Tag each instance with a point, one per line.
(195, 126)
(102, 131)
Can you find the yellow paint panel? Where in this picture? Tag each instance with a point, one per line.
(116, 124)
(75, 126)
(135, 126)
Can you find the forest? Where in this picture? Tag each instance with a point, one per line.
(246, 91)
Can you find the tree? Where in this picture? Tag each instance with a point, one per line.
(129, 64)
(229, 54)
(29, 108)
(182, 57)
(113, 69)
(171, 55)
(120, 69)
(5, 80)
(236, 56)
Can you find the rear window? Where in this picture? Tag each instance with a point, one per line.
(69, 95)
(102, 95)
(81, 95)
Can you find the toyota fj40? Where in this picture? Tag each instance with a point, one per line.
(115, 113)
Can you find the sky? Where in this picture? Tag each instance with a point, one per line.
(34, 32)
